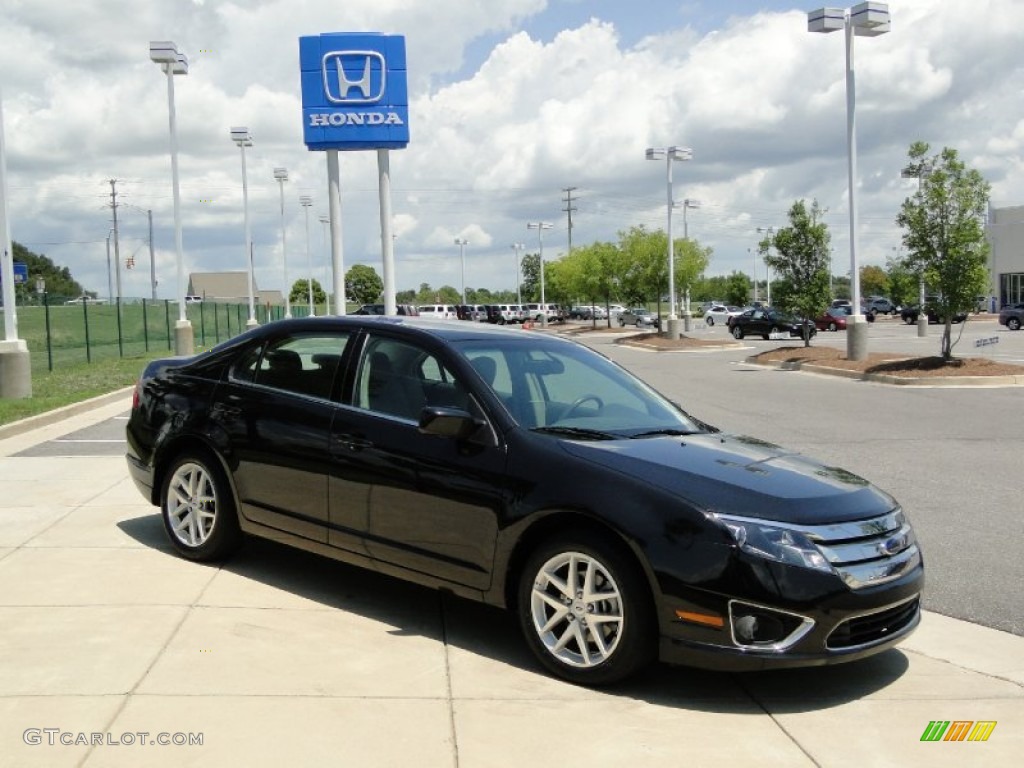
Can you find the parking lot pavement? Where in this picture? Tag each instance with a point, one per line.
(281, 657)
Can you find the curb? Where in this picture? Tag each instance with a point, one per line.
(882, 378)
(58, 414)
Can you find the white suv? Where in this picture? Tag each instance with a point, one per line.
(439, 311)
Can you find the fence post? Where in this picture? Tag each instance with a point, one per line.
(216, 324)
(85, 316)
(49, 338)
(145, 324)
(202, 323)
(167, 318)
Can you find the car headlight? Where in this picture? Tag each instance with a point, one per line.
(775, 542)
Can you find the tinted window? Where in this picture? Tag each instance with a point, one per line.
(302, 364)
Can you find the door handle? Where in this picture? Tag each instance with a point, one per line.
(351, 442)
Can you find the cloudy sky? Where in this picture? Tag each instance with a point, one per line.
(511, 101)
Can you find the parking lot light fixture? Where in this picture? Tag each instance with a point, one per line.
(869, 19)
(462, 243)
(306, 201)
(770, 232)
(281, 174)
(540, 226)
(918, 172)
(671, 154)
(243, 139)
(173, 62)
(516, 248)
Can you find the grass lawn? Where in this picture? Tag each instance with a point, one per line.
(72, 383)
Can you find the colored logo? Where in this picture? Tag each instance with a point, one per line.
(365, 71)
(958, 730)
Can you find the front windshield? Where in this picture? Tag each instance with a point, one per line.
(562, 387)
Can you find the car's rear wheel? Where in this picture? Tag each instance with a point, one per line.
(1013, 324)
(198, 509)
(909, 319)
(833, 327)
(709, 320)
(622, 323)
(737, 332)
(586, 611)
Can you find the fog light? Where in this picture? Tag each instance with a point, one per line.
(754, 626)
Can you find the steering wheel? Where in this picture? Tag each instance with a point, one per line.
(588, 398)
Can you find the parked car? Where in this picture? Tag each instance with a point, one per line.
(911, 313)
(765, 321)
(192, 299)
(640, 317)
(474, 312)
(878, 305)
(501, 314)
(720, 313)
(529, 472)
(440, 311)
(1012, 316)
(378, 309)
(842, 303)
(832, 319)
(537, 312)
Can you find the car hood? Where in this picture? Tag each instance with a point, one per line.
(740, 475)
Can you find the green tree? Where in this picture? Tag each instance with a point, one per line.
(363, 284)
(299, 295)
(873, 281)
(801, 262)
(530, 275)
(903, 281)
(737, 289)
(59, 282)
(944, 232)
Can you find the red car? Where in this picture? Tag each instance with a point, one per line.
(833, 319)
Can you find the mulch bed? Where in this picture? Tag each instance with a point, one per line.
(891, 365)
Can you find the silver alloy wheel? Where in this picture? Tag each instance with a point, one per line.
(191, 504)
(577, 609)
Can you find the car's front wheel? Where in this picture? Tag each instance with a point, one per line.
(737, 332)
(586, 611)
(198, 509)
(833, 327)
(1013, 324)
(709, 320)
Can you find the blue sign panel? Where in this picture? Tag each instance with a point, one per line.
(354, 93)
(20, 272)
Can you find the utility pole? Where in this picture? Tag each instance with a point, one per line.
(117, 248)
(569, 208)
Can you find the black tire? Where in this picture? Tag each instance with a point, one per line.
(602, 653)
(1013, 324)
(198, 508)
(833, 327)
(622, 323)
(737, 332)
(909, 319)
(709, 320)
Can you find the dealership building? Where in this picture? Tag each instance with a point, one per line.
(1006, 257)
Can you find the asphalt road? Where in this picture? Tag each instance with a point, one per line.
(952, 457)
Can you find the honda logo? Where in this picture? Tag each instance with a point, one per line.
(364, 81)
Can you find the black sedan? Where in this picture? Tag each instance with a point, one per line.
(911, 313)
(765, 322)
(529, 472)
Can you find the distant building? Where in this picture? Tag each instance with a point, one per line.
(229, 288)
(1006, 258)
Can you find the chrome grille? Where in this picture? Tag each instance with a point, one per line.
(868, 552)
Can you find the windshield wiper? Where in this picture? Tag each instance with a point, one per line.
(578, 432)
(661, 432)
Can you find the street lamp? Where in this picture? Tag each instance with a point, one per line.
(918, 172)
(327, 233)
(687, 203)
(868, 20)
(281, 174)
(462, 243)
(770, 232)
(540, 226)
(243, 139)
(516, 248)
(753, 301)
(306, 201)
(173, 62)
(670, 154)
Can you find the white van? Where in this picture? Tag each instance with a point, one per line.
(439, 311)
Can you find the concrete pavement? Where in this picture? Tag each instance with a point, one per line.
(284, 658)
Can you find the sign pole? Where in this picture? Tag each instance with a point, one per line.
(387, 243)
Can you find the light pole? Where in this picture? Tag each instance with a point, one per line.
(770, 232)
(242, 137)
(516, 248)
(670, 154)
(110, 271)
(306, 201)
(870, 20)
(173, 62)
(753, 301)
(918, 172)
(687, 315)
(281, 174)
(327, 233)
(462, 243)
(540, 226)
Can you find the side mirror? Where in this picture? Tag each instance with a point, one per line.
(447, 422)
